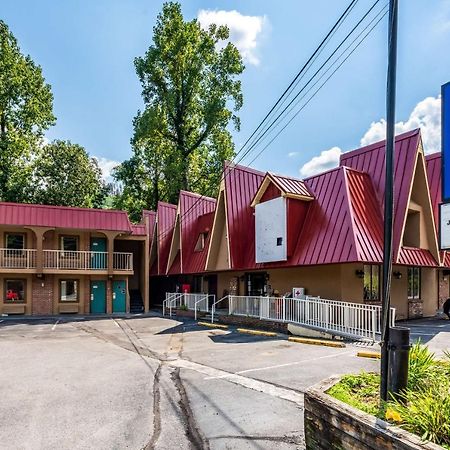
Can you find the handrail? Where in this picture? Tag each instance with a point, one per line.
(170, 297)
(213, 307)
(205, 297)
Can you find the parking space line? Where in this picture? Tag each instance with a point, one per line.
(278, 366)
(54, 326)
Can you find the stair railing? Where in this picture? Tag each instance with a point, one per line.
(213, 307)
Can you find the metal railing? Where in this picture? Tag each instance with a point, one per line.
(17, 258)
(86, 260)
(191, 301)
(350, 319)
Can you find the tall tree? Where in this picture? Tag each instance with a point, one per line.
(26, 104)
(191, 92)
(66, 175)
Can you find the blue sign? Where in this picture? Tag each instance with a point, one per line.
(445, 131)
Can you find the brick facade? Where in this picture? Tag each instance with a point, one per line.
(444, 286)
(42, 295)
(415, 309)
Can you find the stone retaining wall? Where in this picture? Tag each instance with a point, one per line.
(333, 425)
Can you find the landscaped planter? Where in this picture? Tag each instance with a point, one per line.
(187, 313)
(333, 425)
(253, 322)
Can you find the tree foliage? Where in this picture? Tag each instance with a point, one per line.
(191, 92)
(26, 105)
(65, 175)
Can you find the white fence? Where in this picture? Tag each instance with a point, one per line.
(193, 302)
(350, 319)
(17, 258)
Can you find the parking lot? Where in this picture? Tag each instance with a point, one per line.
(152, 382)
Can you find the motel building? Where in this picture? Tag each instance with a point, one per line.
(56, 260)
(266, 234)
(263, 235)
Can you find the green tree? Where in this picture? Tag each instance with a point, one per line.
(191, 93)
(26, 104)
(65, 175)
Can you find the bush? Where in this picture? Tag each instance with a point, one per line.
(423, 409)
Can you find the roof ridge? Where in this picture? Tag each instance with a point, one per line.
(196, 194)
(70, 208)
(433, 155)
(235, 166)
(378, 144)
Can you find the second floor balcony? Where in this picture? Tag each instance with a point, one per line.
(62, 260)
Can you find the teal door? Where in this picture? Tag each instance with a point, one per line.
(119, 296)
(99, 257)
(98, 297)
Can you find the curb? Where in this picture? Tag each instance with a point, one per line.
(372, 355)
(212, 325)
(257, 332)
(310, 341)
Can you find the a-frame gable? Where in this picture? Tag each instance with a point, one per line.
(419, 228)
(218, 257)
(175, 244)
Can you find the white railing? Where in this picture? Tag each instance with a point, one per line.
(123, 261)
(350, 319)
(86, 260)
(194, 302)
(17, 258)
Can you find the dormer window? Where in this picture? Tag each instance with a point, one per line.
(200, 244)
(411, 237)
(279, 241)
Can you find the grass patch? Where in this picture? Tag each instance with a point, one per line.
(424, 407)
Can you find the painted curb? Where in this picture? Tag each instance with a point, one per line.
(373, 355)
(257, 332)
(212, 325)
(301, 340)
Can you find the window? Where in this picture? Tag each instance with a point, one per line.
(200, 244)
(69, 243)
(68, 290)
(279, 241)
(15, 241)
(414, 283)
(372, 283)
(15, 291)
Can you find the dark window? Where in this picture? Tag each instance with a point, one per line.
(15, 241)
(200, 244)
(68, 290)
(69, 243)
(279, 241)
(15, 291)
(372, 283)
(414, 283)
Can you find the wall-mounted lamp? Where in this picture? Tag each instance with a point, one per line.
(397, 275)
(359, 273)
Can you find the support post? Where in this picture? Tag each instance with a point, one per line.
(389, 193)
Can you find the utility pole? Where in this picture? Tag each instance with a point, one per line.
(389, 194)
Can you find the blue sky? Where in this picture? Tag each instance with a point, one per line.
(86, 50)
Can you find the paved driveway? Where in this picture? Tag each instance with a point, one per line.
(155, 383)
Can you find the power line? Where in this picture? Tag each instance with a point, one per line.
(228, 169)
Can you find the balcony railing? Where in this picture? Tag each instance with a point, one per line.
(64, 260)
(17, 259)
(86, 260)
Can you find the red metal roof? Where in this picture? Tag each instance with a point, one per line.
(371, 160)
(21, 214)
(289, 185)
(434, 175)
(196, 215)
(416, 257)
(241, 184)
(166, 215)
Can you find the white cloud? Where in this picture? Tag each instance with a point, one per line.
(426, 115)
(244, 30)
(326, 160)
(292, 154)
(106, 165)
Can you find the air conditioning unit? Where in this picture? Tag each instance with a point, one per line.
(298, 292)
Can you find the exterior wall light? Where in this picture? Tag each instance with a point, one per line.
(397, 275)
(359, 273)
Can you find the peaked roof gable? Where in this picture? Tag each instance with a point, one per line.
(371, 160)
(166, 215)
(434, 174)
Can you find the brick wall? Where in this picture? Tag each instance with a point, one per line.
(42, 296)
(415, 309)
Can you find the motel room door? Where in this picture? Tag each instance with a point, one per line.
(99, 257)
(98, 297)
(119, 296)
